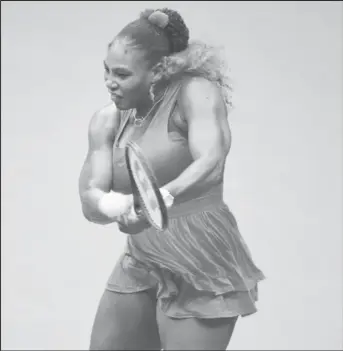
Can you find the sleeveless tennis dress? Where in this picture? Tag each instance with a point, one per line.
(200, 266)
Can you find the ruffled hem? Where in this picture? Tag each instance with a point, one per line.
(200, 266)
(178, 297)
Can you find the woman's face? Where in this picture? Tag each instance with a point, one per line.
(127, 75)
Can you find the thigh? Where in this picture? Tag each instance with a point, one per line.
(126, 322)
(195, 333)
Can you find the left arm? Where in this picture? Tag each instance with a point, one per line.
(205, 120)
(205, 115)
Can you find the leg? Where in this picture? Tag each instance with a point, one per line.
(126, 322)
(194, 333)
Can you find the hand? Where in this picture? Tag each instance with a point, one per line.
(133, 223)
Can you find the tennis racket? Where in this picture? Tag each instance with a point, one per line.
(147, 197)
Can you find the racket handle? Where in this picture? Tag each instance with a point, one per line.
(136, 204)
(138, 209)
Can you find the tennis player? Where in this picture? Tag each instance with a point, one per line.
(183, 288)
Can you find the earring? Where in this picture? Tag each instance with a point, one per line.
(151, 92)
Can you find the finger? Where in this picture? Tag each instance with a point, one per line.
(132, 215)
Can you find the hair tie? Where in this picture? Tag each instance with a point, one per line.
(159, 19)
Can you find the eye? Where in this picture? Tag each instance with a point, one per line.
(122, 75)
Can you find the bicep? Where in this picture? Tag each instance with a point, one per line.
(205, 138)
(206, 116)
(97, 168)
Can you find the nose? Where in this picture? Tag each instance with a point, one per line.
(111, 84)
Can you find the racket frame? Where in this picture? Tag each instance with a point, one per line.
(139, 204)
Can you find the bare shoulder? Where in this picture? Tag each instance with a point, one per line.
(198, 93)
(104, 123)
(203, 108)
(106, 117)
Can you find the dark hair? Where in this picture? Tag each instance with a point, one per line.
(169, 51)
(155, 41)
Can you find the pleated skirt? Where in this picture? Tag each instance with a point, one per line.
(200, 266)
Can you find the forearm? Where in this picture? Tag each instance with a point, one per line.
(202, 171)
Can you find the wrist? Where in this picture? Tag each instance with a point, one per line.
(167, 197)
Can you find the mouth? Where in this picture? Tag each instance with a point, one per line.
(114, 95)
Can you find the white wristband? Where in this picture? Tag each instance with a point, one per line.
(167, 197)
(114, 204)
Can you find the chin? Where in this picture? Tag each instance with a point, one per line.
(120, 105)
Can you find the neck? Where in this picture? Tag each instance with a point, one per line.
(144, 108)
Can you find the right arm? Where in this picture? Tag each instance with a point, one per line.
(96, 175)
